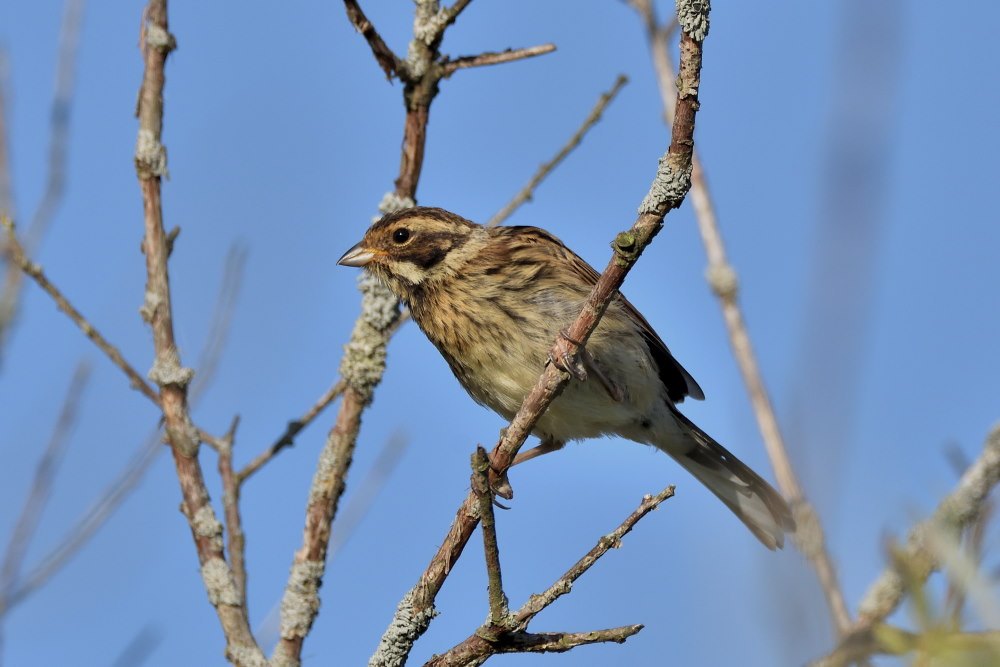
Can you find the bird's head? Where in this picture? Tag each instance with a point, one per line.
(416, 247)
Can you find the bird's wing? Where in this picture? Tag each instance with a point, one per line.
(675, 378)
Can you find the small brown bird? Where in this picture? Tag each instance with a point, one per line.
(493, 300)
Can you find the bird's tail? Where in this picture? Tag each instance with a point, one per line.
(755, 502)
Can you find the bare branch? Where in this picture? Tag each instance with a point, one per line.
(612, 540)
(499, 611)
(528, 190)
(287, 439)
(41, 486)
(95, 517)
(510, 635)
(221, 322)
(231, 509)
(21, 261)
(957, 510)
(722, 278)
(167, 372)
(478, 648)
(449, 67)
(69, 38)
(918, 559)
(387, 60)
(367, 491)
(6, 189)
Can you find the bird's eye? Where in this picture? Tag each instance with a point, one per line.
(401, 235)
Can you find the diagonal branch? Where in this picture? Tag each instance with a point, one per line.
(528, 190)
(41, 486)
(918, 557)
(512, 636)
(387, 60)
(449, 67)
(287, 438)
(667, 192)
(55, 183)
(722, 278)
(21, 261)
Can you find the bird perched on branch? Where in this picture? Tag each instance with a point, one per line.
(493, 300)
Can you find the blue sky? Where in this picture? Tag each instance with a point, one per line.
(282, 136)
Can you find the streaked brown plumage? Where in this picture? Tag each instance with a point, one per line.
(493, 300)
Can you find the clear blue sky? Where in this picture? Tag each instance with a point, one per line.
(283, 135)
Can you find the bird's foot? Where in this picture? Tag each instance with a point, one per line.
(581, 364)
(563, 358)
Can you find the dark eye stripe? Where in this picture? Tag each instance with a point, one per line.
(428, 256)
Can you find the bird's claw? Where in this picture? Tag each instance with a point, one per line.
(578, 365)
(562, 358)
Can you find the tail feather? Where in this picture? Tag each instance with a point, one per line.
(755, 502)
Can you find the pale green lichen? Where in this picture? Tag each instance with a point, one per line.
(692, 16)
(405, 628)
(300, 604)
(669, 187)
(150, 155)
(219, 583)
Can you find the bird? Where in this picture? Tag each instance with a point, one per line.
(493, 300)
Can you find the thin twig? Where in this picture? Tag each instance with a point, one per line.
(119, 489)
(511, 635)
(287, 438)
(28, 521)
(612, 540)
(479, 648)
(69, 38)
(169, 375)
(366, 492)
(723, 280)
(6, 189)
(954, 513)
(231, 509)
(546, 168)
(95, 517)
(499, 611)
(495, 58)
(386, 59)
(222, 320)
(667, 192)
(21, 261)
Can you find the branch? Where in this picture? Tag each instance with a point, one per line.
(449, 67)
(6, 190)
(231, 509)
(287, 438)
(722, 278)
(511, 635)
(528, 190)
(919, 557)
(957, 510)
(21, 261)
(499, 611)
(27, 522)
(387, 60)
(612, 540)
(55, 183)
(151, 165)
(527, 642)
(667, 192)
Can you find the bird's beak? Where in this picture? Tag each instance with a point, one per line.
(359, 255)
